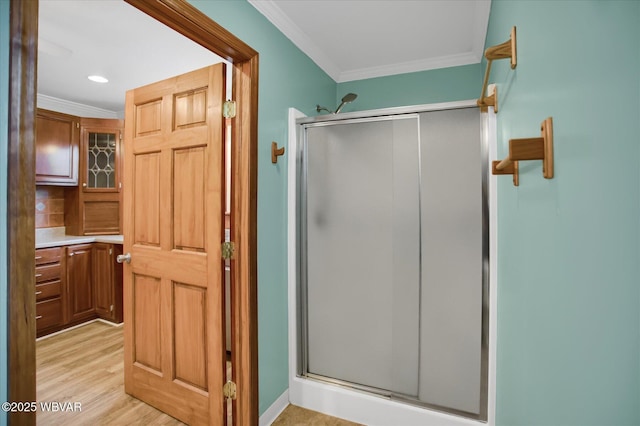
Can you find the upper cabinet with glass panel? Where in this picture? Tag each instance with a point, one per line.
(100, 166)
(101, 160)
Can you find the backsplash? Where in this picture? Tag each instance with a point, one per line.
(49, 206)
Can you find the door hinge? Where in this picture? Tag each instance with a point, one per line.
(111, 308)
(229, 109)
(110, 252)
(229, 390)
(228, 248)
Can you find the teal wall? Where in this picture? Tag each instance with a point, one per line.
(4, 112)
(569, 280)
(568, 248)
(441, 85)
(569, 292)
(288, 78)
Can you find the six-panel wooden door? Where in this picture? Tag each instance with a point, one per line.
(173, 230)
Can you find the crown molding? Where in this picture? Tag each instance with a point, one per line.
(281, 21)
(409, 67)
(73, 108)
(270, 10)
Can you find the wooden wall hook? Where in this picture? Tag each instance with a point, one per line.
(528, 149)
(276, 152)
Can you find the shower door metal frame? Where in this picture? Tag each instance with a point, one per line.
(301, 252)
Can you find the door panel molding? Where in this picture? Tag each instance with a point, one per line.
(190, 22)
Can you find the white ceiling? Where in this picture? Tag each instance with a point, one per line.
(78, 38)
(348, 39)
(357, 39)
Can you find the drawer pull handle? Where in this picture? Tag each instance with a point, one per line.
(38, 293)
(38, 257)
(38, 317)
(38, 275)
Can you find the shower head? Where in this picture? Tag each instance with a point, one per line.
(348, 98)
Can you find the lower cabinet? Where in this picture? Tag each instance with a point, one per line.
(77, 283)
(107, 281)
(50, 285)
(80, 283)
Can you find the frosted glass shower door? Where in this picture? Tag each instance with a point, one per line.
(454, 250)
(362, 252)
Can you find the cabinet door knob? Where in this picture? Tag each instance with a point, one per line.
(122, 258)
(84, 184)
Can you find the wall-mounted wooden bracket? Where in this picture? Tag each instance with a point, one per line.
(509, 169)
(528, 149)
(491, 100)
(504, 50)
(500, 51)
(276, 152)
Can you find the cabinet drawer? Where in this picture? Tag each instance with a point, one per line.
(48, 255)
(48, 313)
(48, 272)
(48, 290)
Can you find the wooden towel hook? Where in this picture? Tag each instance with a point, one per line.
(500, 51)
(276, 152)
(528, 149)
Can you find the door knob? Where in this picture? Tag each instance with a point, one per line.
(124, 258)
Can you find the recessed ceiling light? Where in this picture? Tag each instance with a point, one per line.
(98, 79)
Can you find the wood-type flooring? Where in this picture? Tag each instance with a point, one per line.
(85, 365)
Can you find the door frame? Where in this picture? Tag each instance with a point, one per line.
(195, 25)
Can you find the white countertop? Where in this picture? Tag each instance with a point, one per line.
(55, 237)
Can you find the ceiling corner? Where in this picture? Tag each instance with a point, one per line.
(281, 21)
(481, 25)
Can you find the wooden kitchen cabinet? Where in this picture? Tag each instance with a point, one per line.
(95, 206)
(107, 280)
(50, 285)
(77, 283)
(80, 288)
(56, 146)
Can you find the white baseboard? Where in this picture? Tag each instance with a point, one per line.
(276, 408)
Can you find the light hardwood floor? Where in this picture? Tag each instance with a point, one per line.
(85, 365)
(297, 416)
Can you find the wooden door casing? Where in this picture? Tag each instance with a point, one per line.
(188, 21)
(174, 345)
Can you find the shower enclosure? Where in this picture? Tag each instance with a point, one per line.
(392, 245)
